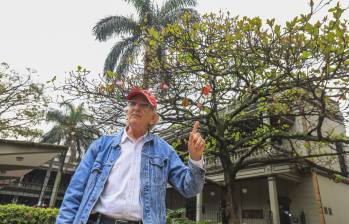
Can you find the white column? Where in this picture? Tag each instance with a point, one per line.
(199, 207)
(273, 197)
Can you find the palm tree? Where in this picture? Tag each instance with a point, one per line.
(150, 16)
(71, 130)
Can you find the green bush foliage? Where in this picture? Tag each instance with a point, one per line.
(21, 214)
(178, 217)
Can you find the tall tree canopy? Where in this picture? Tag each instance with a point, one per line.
(257, 88)
(135, 32)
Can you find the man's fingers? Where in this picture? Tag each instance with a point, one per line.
(196, 141)
(200, 144)
(191, 136)
(196, 127)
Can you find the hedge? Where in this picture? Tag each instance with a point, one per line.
(21, 214)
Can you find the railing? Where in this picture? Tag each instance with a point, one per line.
(25, 188)
(6, 182)
(213, 162)
(216, 216)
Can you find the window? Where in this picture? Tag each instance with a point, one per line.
(330, 211)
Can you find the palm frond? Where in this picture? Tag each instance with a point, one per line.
(55, 116)
(175, 15)
(142, 6)
(81, 107)
(70, 129)
(111, 25)
(116, 52)
(87, 134)
(126, 60)
(173, 5)
(55, 135)
(79, 115)
(68, 105)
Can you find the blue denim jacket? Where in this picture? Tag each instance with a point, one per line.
(159, 164)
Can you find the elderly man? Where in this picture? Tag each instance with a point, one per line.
(123, 177)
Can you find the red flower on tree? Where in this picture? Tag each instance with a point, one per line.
(206, 89)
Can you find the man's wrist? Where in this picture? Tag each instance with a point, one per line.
(199, 163)
(195, 158)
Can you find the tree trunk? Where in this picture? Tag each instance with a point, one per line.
(154, 54)
(15, 198)
(57, 181)
(147, 67)
(342, 159)
(44, 185)
(231, 208)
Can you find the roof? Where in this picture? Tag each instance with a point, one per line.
(20, 157)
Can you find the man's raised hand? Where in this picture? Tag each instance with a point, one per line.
(196, 144)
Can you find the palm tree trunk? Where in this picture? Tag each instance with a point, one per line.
(15, 198)
(147, 67)
(57, 180)
(44, 185)
(154, 54)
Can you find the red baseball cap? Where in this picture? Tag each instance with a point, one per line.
(137, 91)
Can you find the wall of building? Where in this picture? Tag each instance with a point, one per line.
(303, 199)
(211, 201)
(253, 195)
(254, 198)
(334, 198)
(329, 127)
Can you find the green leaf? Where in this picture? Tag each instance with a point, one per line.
(305, 54)
(110, 74)
(151, 43)
(154, 33)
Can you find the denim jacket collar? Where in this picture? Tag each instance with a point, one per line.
(117, 140)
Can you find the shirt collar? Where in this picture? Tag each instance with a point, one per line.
(125, 136)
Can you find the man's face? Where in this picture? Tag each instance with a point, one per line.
(140, 113)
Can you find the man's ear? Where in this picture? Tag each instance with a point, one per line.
(155, 119)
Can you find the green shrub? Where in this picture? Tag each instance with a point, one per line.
(20, 214)
(178, 217)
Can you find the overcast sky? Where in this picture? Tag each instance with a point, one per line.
(54, 36)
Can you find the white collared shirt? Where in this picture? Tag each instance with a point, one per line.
(120, 197)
